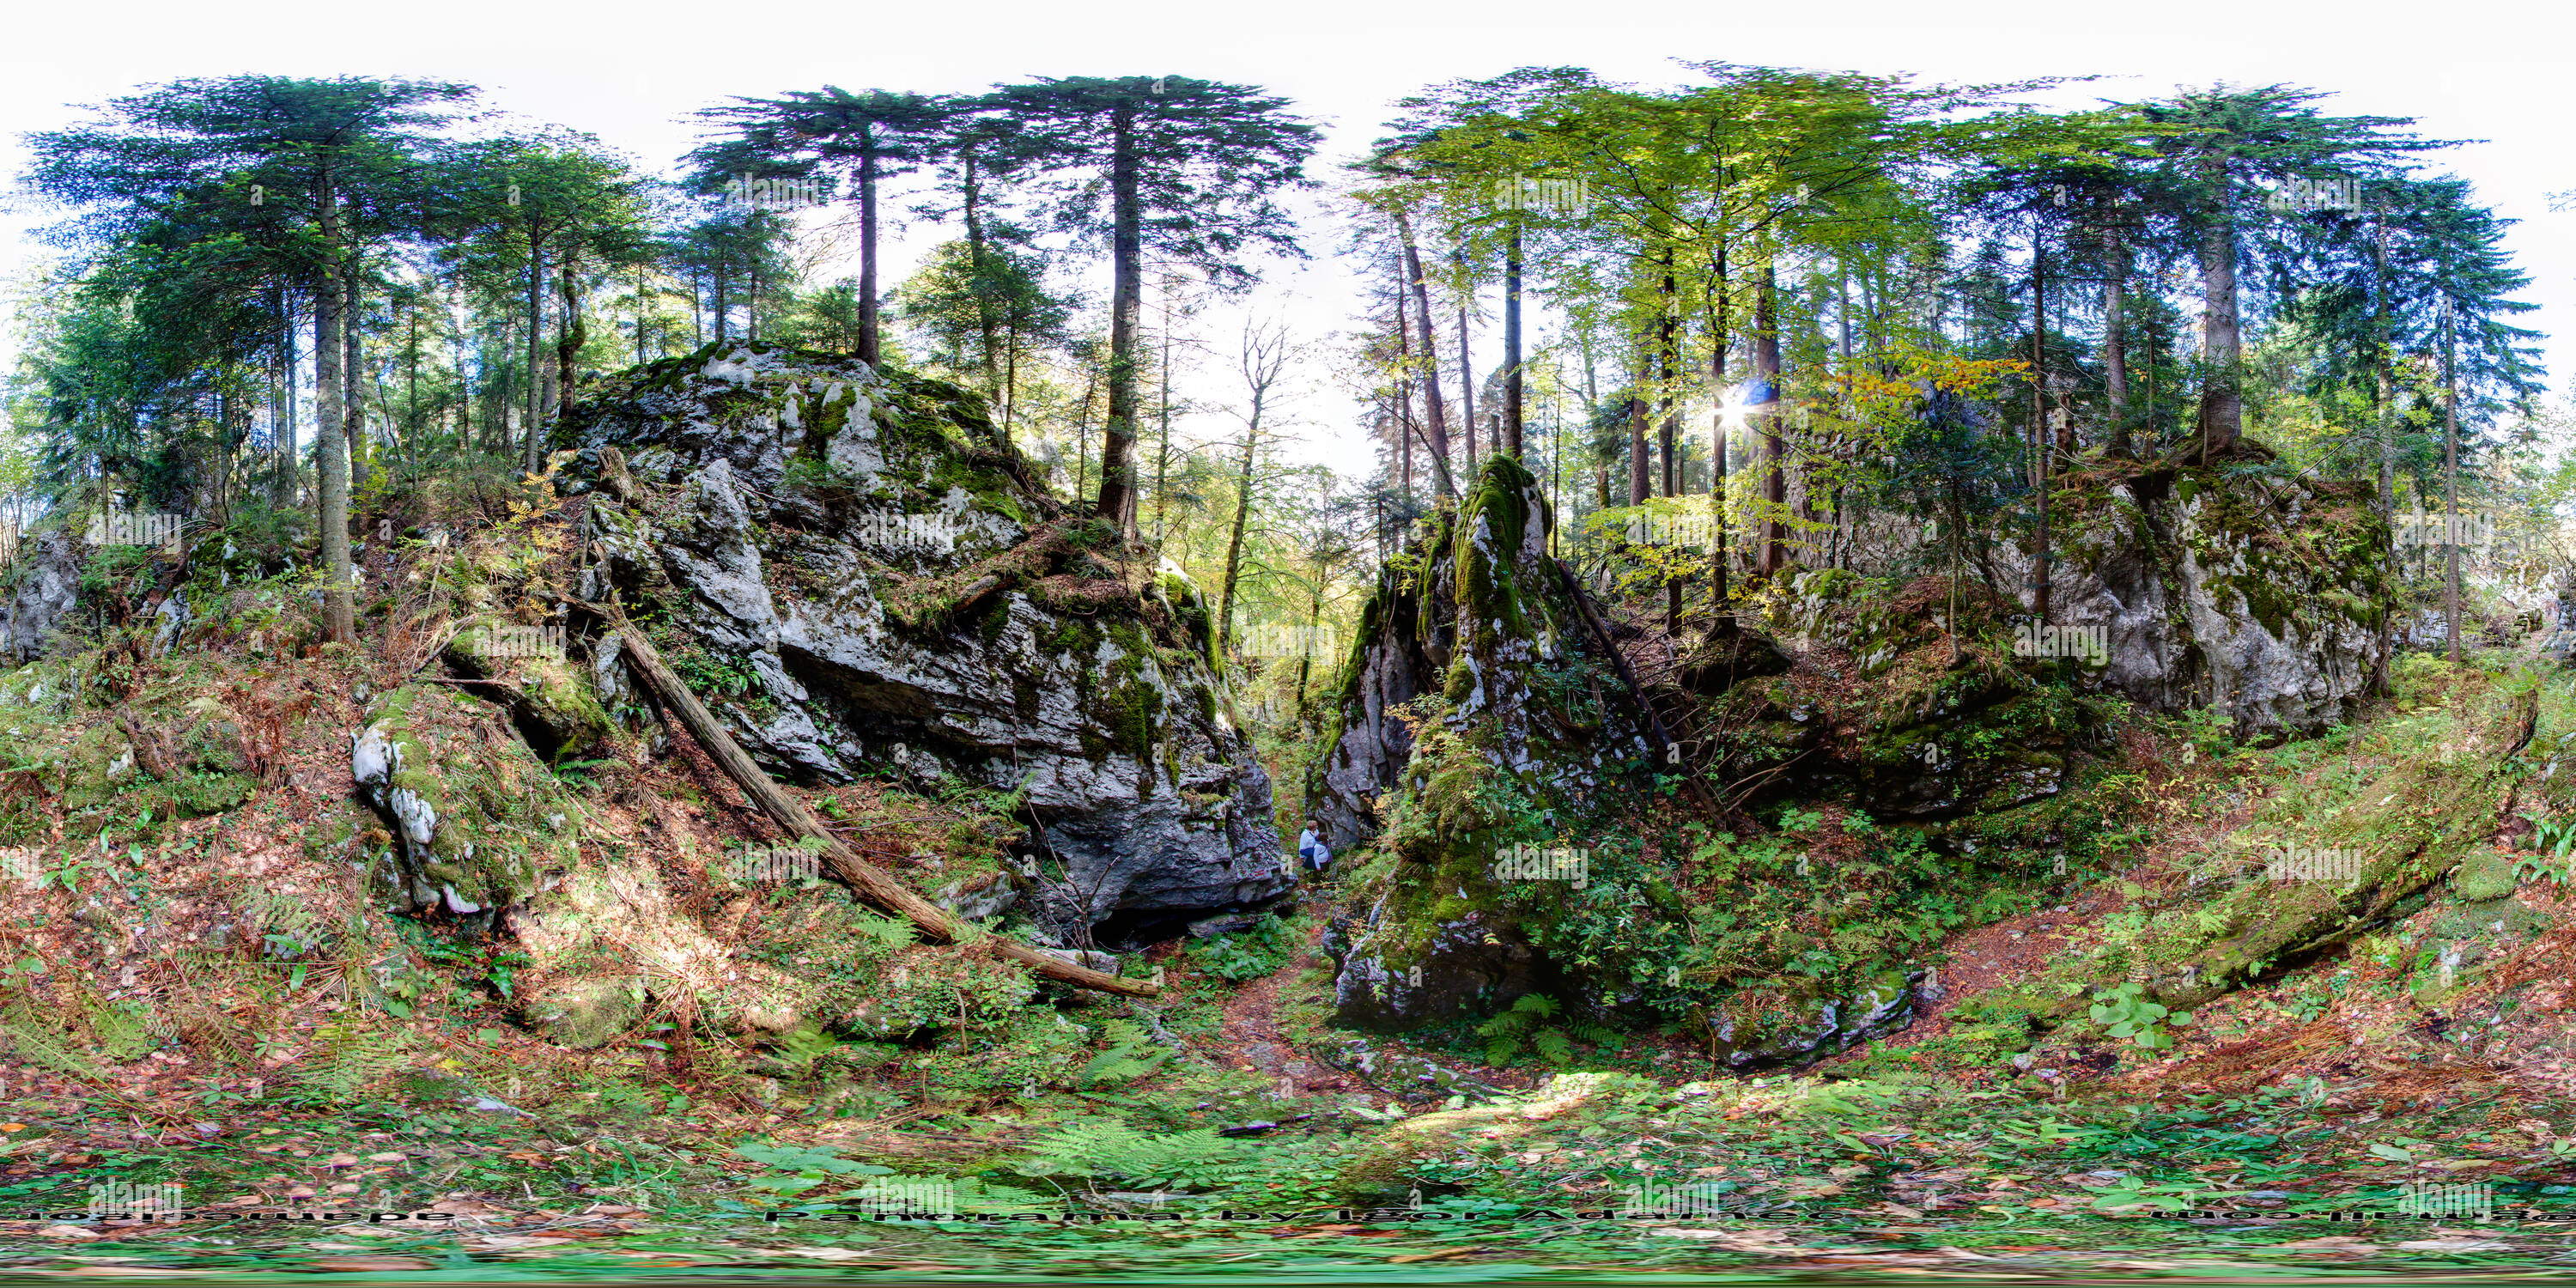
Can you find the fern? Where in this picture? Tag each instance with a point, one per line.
(122, 1030)
(890, 933)
(1131, 1055)
(350, 1059)
(1520, 1028)
(1104, 1148)
(33, 1042)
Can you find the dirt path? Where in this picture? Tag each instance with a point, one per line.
(1251, 1037)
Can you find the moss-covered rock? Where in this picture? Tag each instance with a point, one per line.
(1481, 716)
(524, 667)
(2241, 586)
(476, 819)
(862, 578)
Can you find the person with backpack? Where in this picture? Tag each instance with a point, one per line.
(1310, 848)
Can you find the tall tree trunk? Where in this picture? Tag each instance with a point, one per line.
(868, 348)
(536, 336)
(1512, 341)
(2115, 352)
(1641, 478)
(1437, 445)
(1466, 368)
(1126, 303)
(1306, 655)
(338, 617)
(352, 375)
(1234, 536)
(723, 306)
(1766, 370)
(1667, 349)
(1718, 335)
(2042, 446)
(1163, 412)
(1434, 410)
(1082, 435)
(282, 495)
(2222, 401)
(984, 321)
(2383, 335)
(1010, 378)
(2451, 475)
(575, 333)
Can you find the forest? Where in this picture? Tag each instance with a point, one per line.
(1740, 661)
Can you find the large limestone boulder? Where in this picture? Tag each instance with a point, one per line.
(1480, 620)
(477, 821)
(1479, 715)
(46, 590)
(2264, 595)
(861, 578)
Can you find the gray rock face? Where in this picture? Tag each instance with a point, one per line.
(2124, 595)
(1395, 667)
(1486, 624)
(44, 601)
(1878, 1009)
(862, 561)
(2299, 671)
(2263, 596)
(1469, 964)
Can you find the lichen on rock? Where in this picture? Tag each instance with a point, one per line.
(881, 587)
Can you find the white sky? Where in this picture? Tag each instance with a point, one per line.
(631, 72)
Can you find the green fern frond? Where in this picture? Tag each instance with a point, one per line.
(1100, 1147)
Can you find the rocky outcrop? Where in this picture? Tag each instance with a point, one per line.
(1889, 715)
(46, 591)
(1482, 621)
(2262, 594)
(1480, 713)
(477, 822)
(862, 579)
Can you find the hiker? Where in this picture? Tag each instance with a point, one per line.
(1310, 847)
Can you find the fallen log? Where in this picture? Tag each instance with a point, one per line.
(870, 881)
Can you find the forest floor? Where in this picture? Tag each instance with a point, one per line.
(2242, 1151)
